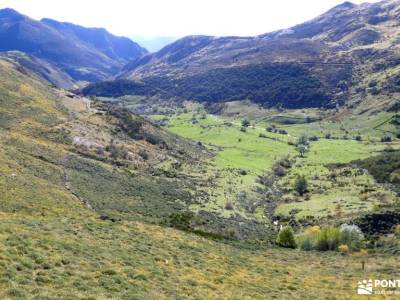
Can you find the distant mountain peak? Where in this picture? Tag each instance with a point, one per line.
(85, 54)
(10, 13)
(345, 5)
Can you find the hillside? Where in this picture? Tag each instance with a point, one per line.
(347, 55)
(40, 68)
(84, 54)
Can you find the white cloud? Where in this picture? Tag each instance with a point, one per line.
(177, 17)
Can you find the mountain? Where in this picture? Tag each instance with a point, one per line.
(336, 58)
(154, 44)
(84, 54)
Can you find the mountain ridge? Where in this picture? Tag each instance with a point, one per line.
(343, 49)
(85, 54)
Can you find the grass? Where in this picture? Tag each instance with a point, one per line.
(341, 151)
(237, 151)
(85, 258)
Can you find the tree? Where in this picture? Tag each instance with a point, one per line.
(301, 185)
(303, 140)
(245, 123)
(286, 238)
(302, 149)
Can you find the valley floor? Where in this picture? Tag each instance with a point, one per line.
(244, 154)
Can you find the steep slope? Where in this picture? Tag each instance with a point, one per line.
(347, 54)
(41, 68)
(87, 143)
(87, 54)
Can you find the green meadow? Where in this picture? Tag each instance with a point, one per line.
(241, 155)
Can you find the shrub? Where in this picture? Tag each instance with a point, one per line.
(245, 123)
(351, 236)
(243, 129)
(242, 172)
(143, 154)
(301, 185)
(306, 242)
(328, 239)
(313, 229)
(344, 249)
(282, 131)
(181, 220)
(153, 139)
(303, 140)
(372, 83)
(279, 170)
(285, 162)
(286, 238)
(117, 151)
(302, 149)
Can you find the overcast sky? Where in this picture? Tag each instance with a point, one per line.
(177, 18)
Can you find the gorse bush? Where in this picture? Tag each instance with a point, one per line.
(344, 249)
(286, 238)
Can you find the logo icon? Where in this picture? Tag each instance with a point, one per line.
(365, 287)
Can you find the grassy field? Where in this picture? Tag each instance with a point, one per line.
(241, 156)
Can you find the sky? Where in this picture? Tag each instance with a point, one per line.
(177, 18)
